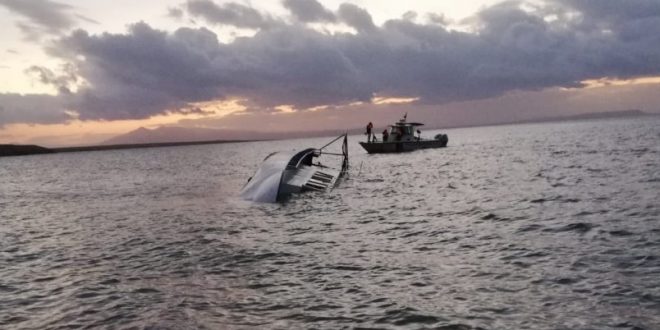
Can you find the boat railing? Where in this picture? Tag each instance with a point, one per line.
(301, 156)
(304, 155)
(343, 154)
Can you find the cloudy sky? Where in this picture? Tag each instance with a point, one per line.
(79, 72)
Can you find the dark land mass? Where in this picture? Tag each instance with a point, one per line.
(140, 145)
(150, 135)
(20, 150)
(23, 150)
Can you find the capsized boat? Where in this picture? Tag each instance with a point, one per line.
(285, 173)
(401, 138)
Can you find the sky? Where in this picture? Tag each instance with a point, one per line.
(79, 72)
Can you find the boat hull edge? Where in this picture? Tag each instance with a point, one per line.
(405, 146)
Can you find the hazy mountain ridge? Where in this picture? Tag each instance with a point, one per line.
(167, 134)
(172, 134)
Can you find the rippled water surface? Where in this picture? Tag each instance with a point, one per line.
(543, 226)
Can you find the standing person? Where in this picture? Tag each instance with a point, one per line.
(385, 135)
(370, 126)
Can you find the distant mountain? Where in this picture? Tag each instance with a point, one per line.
(173, 134)
(169, 134)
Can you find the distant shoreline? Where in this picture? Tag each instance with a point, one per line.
(587, 116)
(142, 145)
(24, 150)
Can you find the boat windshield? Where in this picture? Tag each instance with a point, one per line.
(405, 130)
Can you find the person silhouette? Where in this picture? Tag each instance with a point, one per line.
(370, 126)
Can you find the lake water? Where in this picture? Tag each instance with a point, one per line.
(538, 226)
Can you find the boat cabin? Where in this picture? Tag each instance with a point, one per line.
(403, 132)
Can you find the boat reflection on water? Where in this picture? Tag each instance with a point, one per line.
(285, 173)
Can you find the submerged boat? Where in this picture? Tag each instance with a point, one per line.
(401, 138)
(285, 173)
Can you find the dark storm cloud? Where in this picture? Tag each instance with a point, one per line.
(231, 13)
(43, 16)
(309, 11)
(623, 39)
(356, 17)
(144, 72)
(513, 47)
(147, 71)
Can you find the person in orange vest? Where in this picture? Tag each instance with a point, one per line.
(370, 126)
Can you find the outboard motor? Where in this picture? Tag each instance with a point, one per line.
(443, 138)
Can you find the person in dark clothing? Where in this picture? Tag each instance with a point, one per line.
(370, 126)
(385, 135)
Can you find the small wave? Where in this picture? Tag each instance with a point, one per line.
(407, 316)
(620, 233)
(579, 227)
(566, 280)
(412, 234)
(457, 326)
(7, 288)
(44, 279)
(521, 264)
(146, 290)
(110, 281)
(316, 318)
(322, 307)
(494, 310)
(351, 268)
(527, 228)
(494, 217)
(489, 216)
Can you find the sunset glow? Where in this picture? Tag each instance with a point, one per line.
(605, 82)
(394, 100)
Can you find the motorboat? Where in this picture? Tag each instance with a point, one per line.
(401, 138)
(285, 173)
